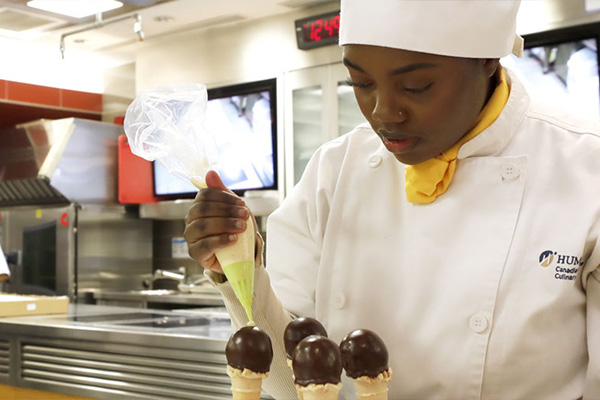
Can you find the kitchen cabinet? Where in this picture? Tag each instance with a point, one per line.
(319, 107)
(23, 102)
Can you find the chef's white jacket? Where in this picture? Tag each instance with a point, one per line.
(490, 292)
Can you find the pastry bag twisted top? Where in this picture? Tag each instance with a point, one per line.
(166, 124)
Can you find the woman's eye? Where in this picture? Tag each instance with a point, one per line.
(418, 90)
(358, 85)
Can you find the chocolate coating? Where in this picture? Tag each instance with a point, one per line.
(249, 347)
(298, 329)
(364, 354)
(317, 359)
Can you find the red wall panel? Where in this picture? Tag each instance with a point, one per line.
(35, 94)
(24, 102)
(81, 100)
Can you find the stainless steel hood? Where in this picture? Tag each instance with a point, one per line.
(59, 161)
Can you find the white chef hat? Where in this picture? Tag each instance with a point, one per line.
(458, 28)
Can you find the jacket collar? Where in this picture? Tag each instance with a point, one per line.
(497, 136)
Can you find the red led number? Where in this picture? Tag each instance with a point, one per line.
(321, 29)
(332, 26)
(335, 23)
(315, 30)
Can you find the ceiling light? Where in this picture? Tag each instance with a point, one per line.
(75, 8)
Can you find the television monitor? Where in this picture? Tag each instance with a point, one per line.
(243, 119)
(561, 66)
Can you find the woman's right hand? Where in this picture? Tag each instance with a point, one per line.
(213, 222)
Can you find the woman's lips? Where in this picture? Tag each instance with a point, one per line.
(399, 145)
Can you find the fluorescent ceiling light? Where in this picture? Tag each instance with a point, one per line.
(75, 8)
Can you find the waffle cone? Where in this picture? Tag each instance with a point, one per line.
(371, 389)
(244, 388)
(298, 392)
(319, 392)
(245, 384)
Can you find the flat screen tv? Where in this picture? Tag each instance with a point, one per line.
(244, 120)
(561, 66)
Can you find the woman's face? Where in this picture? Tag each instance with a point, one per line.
(419, 104)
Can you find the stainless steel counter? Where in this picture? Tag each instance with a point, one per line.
(121, 323)
(119, 353)
(145, 298)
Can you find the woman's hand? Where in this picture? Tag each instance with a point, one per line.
(213, 222)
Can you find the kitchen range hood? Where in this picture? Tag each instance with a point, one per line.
(59, 162)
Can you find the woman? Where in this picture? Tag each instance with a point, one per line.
(462, 223)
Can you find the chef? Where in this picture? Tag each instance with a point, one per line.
(461, 223)
(4, 271)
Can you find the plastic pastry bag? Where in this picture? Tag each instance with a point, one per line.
(166, 124)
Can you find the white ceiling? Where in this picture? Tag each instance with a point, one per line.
(160, 18)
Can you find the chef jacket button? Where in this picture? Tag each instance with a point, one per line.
(339, 301)
(478, 323)
(510, 172)
(375, 161)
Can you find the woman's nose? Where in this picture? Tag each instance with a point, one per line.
(388, 109)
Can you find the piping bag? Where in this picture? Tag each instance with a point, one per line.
(166, 124)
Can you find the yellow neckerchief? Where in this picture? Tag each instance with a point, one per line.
(430, 179)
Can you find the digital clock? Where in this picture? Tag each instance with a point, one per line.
(318, 30)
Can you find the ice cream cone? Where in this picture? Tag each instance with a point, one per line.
(368, 388)
(246, 388)
(298, 392)
(327, 391)
(245, 385)
(371, 390)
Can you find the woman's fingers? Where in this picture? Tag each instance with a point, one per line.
(213, 221)
(201, 228)
(213, 181)
(211, 209)
(218, 195)
(203, 250)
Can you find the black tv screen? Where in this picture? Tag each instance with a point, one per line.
(243, 121)
(561, 66)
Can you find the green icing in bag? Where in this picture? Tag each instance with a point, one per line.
(241, 278)
(237, 261)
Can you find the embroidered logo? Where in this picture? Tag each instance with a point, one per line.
(546, 258)
(565, 266)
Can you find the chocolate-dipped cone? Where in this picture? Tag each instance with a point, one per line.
(297, 330)
(365, 359)
(249, 355)
(317, 366)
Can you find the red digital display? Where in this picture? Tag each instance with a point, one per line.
(317, 31)
(320, 29)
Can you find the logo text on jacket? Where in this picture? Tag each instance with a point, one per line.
(565, 266)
